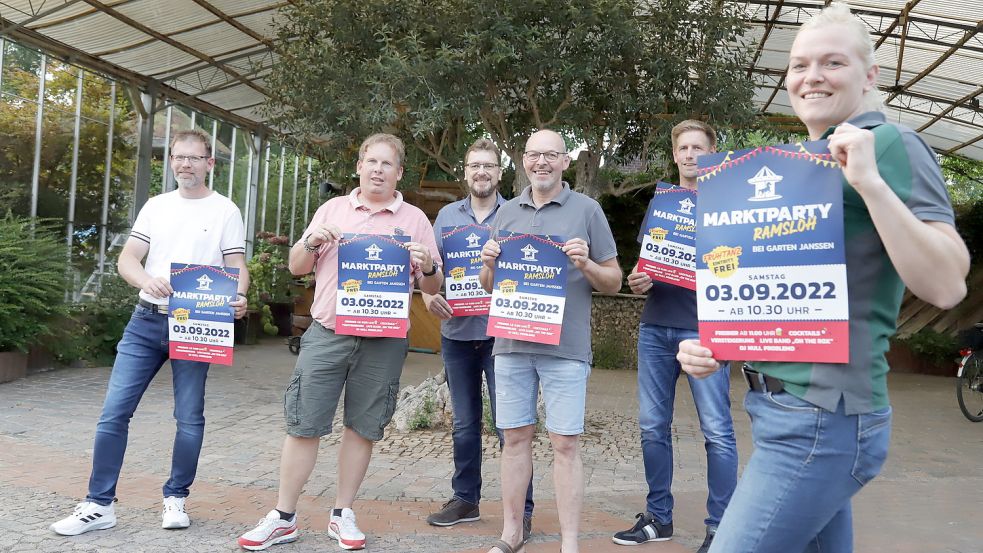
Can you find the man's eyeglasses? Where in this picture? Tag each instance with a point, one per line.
(550, 156)
(193, 160)
(485, 166)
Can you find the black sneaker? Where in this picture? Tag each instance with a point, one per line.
(526, 528)
(454, 511)
(705, 548)
(645, 530)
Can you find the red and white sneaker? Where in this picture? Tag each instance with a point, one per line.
(271, 530)
(345, 530)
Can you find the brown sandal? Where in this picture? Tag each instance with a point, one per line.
(506, 548)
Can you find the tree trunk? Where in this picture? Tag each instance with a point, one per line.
(588, 166)
(521, 180)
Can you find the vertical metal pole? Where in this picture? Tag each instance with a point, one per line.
(250, 200)
(107, 174)
(211, 174)
(293, 199)
(279, 193)
(258, 141)
(266, 189)
(193, 114)
(145, 148)
(166, 185)
(38, 124)
(307, 195)
(73, 182)
(3, 50)
(232, 164)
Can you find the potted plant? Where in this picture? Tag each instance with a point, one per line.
(32, 288)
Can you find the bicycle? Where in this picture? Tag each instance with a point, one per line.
(969, 376)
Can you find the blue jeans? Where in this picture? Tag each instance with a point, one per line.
(658, 371)
(140, 354)
(807, 463)
(464, 363)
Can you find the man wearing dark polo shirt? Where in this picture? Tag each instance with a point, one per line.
(669, 317)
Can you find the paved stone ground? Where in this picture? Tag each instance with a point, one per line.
(926, 500)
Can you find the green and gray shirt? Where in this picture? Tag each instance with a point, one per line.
(910, 169)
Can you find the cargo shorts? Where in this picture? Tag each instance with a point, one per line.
(368, 371)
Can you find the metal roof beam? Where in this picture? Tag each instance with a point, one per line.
(949, 109)
(242, 28)
(958, 147)
(174, 43)
(764, 38)
(946, 55)
(198, 66)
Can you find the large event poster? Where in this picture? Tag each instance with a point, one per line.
(200, 321)
(373, 285)
(771, 271)
(462, 265)
(528, 294)
(668, 237)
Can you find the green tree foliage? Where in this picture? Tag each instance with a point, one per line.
(611, 74)
(32, 282)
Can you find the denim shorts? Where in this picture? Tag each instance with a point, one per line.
(367, 369)
(564, 381)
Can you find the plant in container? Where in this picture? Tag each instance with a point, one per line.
(32, 288)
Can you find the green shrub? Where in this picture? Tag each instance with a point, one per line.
(33, 261)
(93, 328)
(938, 348)
(424, 417)
(610, 352)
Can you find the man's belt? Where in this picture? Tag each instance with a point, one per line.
(153, 307)
(760, 382)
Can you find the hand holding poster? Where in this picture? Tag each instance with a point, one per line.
(528, 294)
(668, 238)
(771, 272)
(373, 286)
(200, 321)
(462, 266)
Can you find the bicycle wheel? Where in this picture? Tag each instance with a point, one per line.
(969, 388)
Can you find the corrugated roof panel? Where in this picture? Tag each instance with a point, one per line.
(152, 58)
(262, 23)
(96, 33)
(216, 40)
(240, 95)
(241, 6)
(166, 17)
(63, 12)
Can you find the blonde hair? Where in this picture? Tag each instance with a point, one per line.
(694, 125)
(839, 14)
(192, 134)
(382, 138)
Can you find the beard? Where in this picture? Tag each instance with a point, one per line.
(481, 193)
(187, 181)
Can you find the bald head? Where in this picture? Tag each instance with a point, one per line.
(544, 174)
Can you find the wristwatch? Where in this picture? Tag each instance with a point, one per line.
(433, 270)
(308, 247)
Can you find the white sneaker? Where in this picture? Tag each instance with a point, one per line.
(345, 530)
(271, 530)
(86, 516)
(174, 516)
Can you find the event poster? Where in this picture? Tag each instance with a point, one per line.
(770, 260)
(200, 320)
(373, 286)
(528, 293)
(669, 237)
(462, 266)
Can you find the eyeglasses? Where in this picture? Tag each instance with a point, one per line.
(194, 160)
(550, 156)
(485, 166)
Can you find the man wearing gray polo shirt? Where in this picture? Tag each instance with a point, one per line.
(465, 346)
(548, 206)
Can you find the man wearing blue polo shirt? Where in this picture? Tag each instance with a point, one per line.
(466, 349)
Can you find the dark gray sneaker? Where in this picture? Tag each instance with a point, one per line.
(711, 532)
(454, 511)
(645, 530)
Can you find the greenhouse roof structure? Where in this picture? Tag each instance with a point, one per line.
(214, 55)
